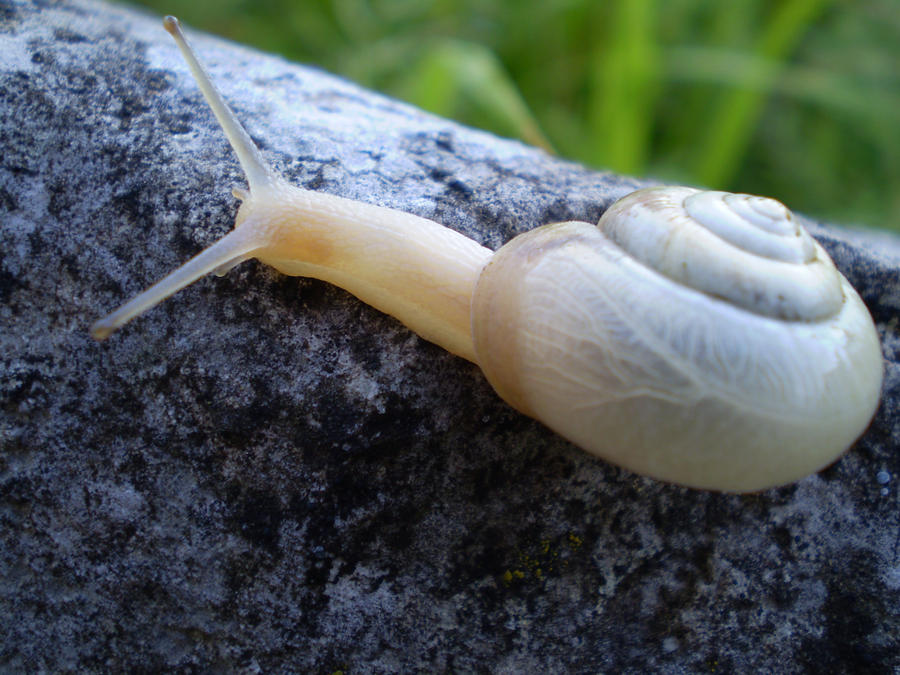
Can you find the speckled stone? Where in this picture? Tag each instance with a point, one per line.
(265, 475)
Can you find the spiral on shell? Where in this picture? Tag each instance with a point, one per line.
(698, 337)
(748, 250)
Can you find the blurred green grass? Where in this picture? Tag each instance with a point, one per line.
(795, 99)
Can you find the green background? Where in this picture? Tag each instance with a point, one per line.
(795, 99)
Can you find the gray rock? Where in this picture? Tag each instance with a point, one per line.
(265, 474)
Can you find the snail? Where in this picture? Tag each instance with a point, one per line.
(697, 337)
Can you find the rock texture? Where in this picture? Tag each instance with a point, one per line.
(263, 474)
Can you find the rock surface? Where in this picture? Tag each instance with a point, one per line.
(265, 474)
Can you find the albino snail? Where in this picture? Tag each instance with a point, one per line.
(702, 338)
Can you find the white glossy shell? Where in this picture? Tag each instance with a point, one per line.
(733, 380)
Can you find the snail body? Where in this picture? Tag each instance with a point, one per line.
(697, 337)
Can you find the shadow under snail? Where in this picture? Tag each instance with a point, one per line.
(702, 338)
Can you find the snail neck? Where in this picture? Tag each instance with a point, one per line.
(414, 269)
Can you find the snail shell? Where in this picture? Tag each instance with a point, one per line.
(702, 338)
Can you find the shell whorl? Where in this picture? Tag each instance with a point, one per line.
(749, 251)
